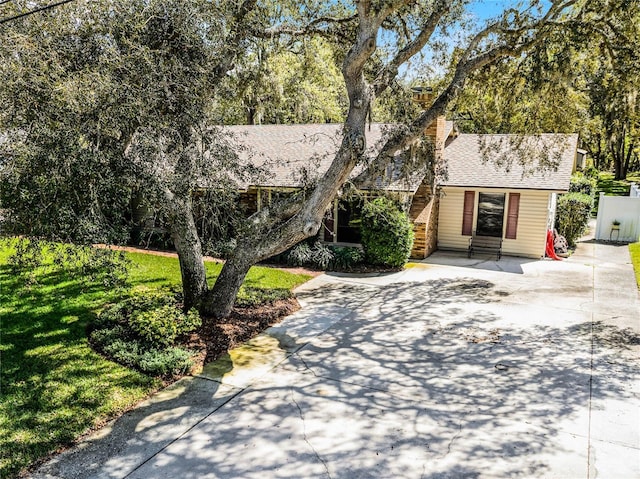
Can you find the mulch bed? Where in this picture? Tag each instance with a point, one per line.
(217, 336)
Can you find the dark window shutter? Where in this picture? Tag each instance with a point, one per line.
(467, 215)
(512, 217)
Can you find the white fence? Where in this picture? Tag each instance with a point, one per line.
(634, 191)
(625, 210)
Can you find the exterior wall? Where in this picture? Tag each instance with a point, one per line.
(249, 201)
(532, 221)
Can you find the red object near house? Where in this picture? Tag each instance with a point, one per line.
(550, 251)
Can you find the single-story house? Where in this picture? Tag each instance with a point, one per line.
(504, 198)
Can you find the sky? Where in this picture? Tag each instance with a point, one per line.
(485, 9)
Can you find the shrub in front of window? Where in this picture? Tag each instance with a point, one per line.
(346, 257)
(387, 234)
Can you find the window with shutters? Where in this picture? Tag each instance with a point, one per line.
(512, 216)
(467, 216)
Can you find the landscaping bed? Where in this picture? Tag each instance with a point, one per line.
(55, 387)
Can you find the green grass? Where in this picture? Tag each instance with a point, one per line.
(634, 249)
(611, 187)
(53, 387)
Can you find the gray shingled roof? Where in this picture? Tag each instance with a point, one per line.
(513, 161)
(286, 150)
(292, 152)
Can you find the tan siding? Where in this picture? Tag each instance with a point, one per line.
(450, 220)
(532, 222)
(532, 226)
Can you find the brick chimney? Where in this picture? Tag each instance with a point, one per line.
(423, 96)
(425, 204)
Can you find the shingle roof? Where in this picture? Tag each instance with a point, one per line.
(286, 150)
(292, 152)
(513, 161)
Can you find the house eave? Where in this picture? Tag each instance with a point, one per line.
(504, 188)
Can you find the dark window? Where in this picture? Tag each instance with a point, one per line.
(467, 215)
(490, 214)
(512, 216)
(349, 214)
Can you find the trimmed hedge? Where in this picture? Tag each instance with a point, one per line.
(387, 234)
(572, 215)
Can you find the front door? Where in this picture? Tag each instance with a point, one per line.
(490, 214)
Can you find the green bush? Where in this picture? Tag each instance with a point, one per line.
(591, 172)
(300, 255)
(582, 184)
(161, 326)
(321, 256)
(346, 257)
(387, 234)
(170, 361)
(249, 297)
(141, 331)
(572, 215)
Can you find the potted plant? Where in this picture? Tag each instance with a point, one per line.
(615, 225)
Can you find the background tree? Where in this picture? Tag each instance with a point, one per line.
(278, 83)
(577, 80)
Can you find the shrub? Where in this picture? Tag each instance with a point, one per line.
(591, 172)
(321, 256)
(300, 255)
(105, 266)
(572, 215)
(140, 332)
(582, 184)
(27, 255)
(249, 297)
(161, 326)
(171, 361)
(387, 234)
(346, 257)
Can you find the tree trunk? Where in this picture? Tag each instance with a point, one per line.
(219, 301)
(187, 244)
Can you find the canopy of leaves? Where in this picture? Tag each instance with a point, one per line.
(77, 88)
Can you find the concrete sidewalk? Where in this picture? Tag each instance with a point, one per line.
(453, 368)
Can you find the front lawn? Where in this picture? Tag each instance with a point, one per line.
(53, 386)
(634, 249)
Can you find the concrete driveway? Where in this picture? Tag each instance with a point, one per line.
(453, 368)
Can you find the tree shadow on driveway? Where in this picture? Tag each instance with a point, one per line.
(442, 379)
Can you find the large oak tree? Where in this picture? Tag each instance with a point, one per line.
(143, 74)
